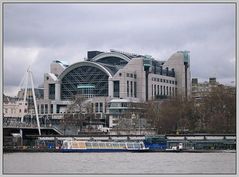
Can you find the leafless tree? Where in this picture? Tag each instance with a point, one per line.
(75, 113)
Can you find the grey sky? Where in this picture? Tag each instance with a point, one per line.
(36, 34)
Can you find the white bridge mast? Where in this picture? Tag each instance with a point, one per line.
(29, 75)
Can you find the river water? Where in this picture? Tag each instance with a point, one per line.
(119, 163)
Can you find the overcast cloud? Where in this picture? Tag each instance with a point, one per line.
(37, 34)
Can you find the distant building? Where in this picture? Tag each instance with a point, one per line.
(200, 90)
(107, 75)
(15, 107)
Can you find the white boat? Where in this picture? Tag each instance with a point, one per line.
(101, 146)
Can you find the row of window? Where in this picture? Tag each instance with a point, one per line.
(43, 109)
(131, 89)
(164, 80)
(131, 75)
(21, 103)
(99, 107)
(13, 111)
(114, 104)
(163, 90)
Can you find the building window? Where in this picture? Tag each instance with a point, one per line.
(161, 80)
(131, 88)
(101, 107)
(127, 74)
(120, 74)
(46, 109)
(51, 108)
(52, 91)
(135, 89)
(127, 88)
(124, 105)
(157, 89)
(157, 79)
(131, 75)
(167, 90)
(57, 108)
(154, 90)
(42, 109)
(135, 76)
(96, 107)
(116, 89)
(161, 90)
(170, 91)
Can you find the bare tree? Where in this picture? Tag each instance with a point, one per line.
(171, 115)
(74, 115)
(220, 109)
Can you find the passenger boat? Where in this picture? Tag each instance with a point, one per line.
(101, 146)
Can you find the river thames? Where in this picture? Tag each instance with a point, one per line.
(119, 163)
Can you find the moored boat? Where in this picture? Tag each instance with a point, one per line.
(101, 146)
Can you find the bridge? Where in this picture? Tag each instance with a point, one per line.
(30, 130)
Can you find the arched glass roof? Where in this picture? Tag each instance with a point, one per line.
(85, 78)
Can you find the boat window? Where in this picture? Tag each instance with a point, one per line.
(130, 145)
(122, 144)
(136, 145)
(108, 144)
(94, 144)
(115, 145)
(101, 144)
(88, 144)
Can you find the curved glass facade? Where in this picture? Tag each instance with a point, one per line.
(88, 81)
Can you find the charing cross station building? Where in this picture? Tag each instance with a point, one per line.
(110, 80)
